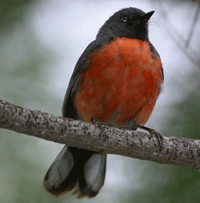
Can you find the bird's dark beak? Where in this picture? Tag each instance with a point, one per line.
(147, 16)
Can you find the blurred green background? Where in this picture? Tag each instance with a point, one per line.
(40, 42)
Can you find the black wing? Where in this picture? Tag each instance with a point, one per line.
(155, 53)
(69, 110)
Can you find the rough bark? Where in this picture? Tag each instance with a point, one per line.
(100, 138)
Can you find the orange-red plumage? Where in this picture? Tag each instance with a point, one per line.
(117, 87)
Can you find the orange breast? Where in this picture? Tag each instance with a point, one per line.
(121, 84)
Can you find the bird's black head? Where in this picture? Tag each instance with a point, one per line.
(128, 22)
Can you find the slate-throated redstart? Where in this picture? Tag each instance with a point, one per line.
(116, 81)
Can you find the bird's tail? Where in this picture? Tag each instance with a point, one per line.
(78, 169)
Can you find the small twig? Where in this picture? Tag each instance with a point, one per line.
(176, 37)
(193, 25)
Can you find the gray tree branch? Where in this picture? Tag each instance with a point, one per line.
(100, 138)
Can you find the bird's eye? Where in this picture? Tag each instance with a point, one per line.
(124, 19)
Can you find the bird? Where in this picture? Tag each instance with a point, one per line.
(116, 82)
